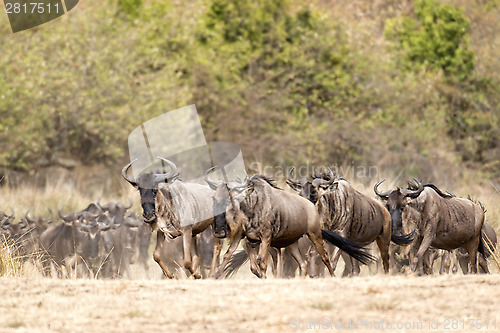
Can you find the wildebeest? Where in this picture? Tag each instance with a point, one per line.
(58, 244)
(174, 208)
(442, 221)
(75, 240)
(273, 217)
(350, 213)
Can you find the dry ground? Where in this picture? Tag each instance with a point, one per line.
(51, 305)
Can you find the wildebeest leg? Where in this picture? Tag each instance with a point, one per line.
(445, 263)
(215, 258)
(295, 252)
(335, 257)
(355, 267)
(187, 240)
(234, 245)
(347, 264)
(251, 250)
(424, 246)
(195, 255)
(263, 252)
(483, 264)
(471, 248)
(383, 242)
(280, 263)
(160, 239)
(274, 254)
(319, 245)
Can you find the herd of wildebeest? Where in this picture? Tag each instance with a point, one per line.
(411, 227)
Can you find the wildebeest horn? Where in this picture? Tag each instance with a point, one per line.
(98, 203)
(130, 204)
(48, 219)
(30, 220)
(68, 218)
(22, 224)
(320, 181)
(413, 193)
(103, 226)
(13, 213)
(383, 195)
(126, 176)
(291, 180)
(213, 185)
(170, 175)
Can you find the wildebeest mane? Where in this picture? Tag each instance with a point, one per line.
(269, 180)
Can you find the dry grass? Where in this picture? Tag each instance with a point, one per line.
(46, 305)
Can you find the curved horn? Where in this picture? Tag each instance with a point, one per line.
(413, 193)
(126, 176)
(68, 218)
(213, 185)
(22, 224)
(103, 226)
(383, 195)
(170, 175)
(320, 181)
(290, 179)
(30, 220)
(48, 219)
(131, 203)
(98, 203)
(13, 213)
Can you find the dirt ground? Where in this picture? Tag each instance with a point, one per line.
(373, 303)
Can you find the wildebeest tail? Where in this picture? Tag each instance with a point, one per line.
(403, 239)
(354, 249)
(486, 247)
(237, 260)
(482, 246)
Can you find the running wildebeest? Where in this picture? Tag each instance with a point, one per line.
(228, 223)
(174, 208)
(273, 217)
(351, 214)
(443, 221)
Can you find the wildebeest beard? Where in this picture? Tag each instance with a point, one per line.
(221, 202)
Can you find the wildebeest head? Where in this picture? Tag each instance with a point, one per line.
(15, 230)
(147, 184)
(40, 223)
(396, 202)
(225, 195)
(93, 225)
(116, 209)
(7, 219)
(311, 189)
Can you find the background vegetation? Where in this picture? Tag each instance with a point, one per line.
(411, 87)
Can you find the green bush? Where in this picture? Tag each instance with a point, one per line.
(438, 38)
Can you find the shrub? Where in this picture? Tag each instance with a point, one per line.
(437, 39)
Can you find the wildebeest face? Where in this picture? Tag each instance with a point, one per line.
(221, 200)
(396, 204)
(147, 184)
(309, 192)
(148, 203)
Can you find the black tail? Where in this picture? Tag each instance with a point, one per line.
(237, 260)
(482, 248)
(352, 248)
(403, 239)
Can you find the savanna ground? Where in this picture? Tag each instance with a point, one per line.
(49, 305)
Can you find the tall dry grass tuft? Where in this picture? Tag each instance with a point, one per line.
(10, 264)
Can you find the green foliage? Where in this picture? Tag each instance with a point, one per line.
(130, 7)
(437, 39)
(287, 67)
